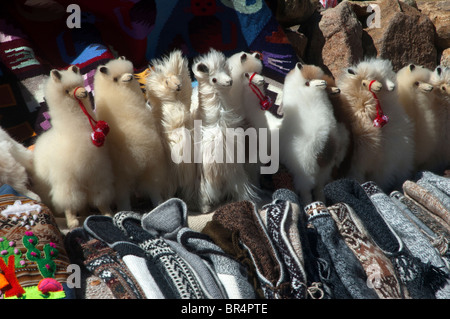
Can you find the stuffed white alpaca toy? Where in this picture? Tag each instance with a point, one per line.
(70, 172)
(440, 79)
(169, 90)
(16, 165)
(140, 163)
(312, 143)
(222, 178)
(382, 132)
(416, 97)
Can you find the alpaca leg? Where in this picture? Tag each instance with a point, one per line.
(71, 219)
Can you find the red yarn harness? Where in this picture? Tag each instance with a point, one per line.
(381, 119)
(264, 100)
(100, 128)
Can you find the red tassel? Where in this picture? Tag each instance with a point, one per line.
(264, 100)
(100, 128)
(381, 119)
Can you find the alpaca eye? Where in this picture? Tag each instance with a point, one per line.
(416, 83)
(246, 75)
(115, 79)
(67, 91)
(307, 83)
(443, 88)
(214, 80)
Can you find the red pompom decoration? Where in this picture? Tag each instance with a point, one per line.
(98, 138)
(102, 126)
(266, 103)
(380, 121)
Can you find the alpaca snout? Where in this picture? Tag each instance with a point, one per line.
(127, 77)
(425, 87)
(374, 85)
(80, 93)
(335, 90)
(321, 84)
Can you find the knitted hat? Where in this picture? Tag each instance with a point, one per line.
(408, 268)
(345, 262)
(242, 217)
(419, 245)
(33, 259)
(165, 221)
(379, 269)
(175, 276)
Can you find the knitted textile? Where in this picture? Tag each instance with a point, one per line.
(379, 269)
(409, 269)
(243, 218)
(346, 264)
(178, 277)
(165, 221)
(417, 243)
(31, 248)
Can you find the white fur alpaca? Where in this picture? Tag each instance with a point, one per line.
(440, 78)
(70, 172)
(385, 154)
(140, 164)
(221, 180)
(311, 141)
(414, 91)
(16, 165)
(169, 90)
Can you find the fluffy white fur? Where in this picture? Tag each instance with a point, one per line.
(140, 164)
(383, 155)
(16, 165)
(219, 182)
(312, 143)
(70, 173)
(415, 95)
(440, 78)
(169, 90)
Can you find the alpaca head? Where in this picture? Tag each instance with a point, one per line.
(212, 68)
(243, 67)
(306, 77)
(415, 78)
(65, 86)
(117, 73)
(440, 78)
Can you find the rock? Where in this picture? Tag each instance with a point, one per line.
(293, 12)
(404, 35)
(335, 41)
(445, 58)
(439, 14)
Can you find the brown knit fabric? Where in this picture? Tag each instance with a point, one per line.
(426, 199)
(374, 261)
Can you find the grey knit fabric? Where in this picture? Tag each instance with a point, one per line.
(414, 239)
(165, 221)
(345, 262)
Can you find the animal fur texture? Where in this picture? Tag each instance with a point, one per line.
(440, 78)
(221, 179)
(16, 165)
(416, 97)
(70, 172)
(140, 164)
(312, 143)
(169, 91)
(384, 155)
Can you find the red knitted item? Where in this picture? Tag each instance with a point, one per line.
(264, 100)
(100, 128)
(381, 119)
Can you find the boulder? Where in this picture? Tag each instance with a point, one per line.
(293, 12)
(445, 58)
(439, 14)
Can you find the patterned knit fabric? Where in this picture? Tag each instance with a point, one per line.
(31, 247)
(175, 269)
(379, 269)
(244, 218)
(409, 269)
(417, 243)
(346, 264)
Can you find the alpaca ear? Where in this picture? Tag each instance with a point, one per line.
(122, 58)
(412, 67)
(439, 70)
(351, 71)
(299, 65)
(55, 75)
(103, 69)
(243, 57)
(75, 69)
(202, 68)
(257, 55)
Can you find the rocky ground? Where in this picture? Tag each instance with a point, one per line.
(403, 31)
